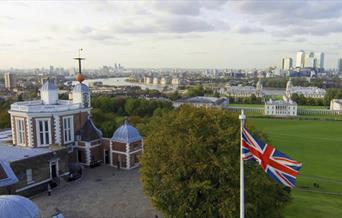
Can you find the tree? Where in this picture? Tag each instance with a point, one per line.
(332, 94)
(190, 167)
(197, 90)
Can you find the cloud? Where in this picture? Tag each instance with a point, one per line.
(293, 17)
(247, 29)
(289, 12)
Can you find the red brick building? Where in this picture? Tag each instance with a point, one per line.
(49, 134)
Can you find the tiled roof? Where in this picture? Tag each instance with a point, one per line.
(126, 134)
(89, 132)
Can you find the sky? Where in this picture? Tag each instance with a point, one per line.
(176, 34)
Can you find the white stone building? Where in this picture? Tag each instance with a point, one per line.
(336, 104)
(280, 108)
(308, 92)
(243, 91)
(202, 101)
(10, 81)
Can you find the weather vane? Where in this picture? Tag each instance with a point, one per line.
(79, 60)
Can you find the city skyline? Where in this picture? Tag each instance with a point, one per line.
(153, 34)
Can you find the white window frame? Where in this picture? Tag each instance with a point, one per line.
(20, 132)
(29, 177)
(70, 129)
(39, 143)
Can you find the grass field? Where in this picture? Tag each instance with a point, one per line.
(318, 145)
(262, 106)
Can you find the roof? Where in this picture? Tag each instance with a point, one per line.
(80, 87)
(126, 134)
(7, 176)
(280, 102)
(18, 206)
(48, 86)
(13, 153)
(89, 132)
(203, 100)
(338, 101)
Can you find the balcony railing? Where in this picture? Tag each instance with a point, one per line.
(38, 106)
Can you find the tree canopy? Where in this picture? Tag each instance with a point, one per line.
(190, 167)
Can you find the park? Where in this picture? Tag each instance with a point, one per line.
(317, 144)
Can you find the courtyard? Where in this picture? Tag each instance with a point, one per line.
(101, 192)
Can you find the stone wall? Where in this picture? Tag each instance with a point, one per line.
(40, 166)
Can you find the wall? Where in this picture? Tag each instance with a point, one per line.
(40, 166)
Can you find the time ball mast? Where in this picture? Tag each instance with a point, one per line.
(79, 77)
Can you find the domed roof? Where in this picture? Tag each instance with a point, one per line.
(48, 86)
(18, 206)
(80, 87)
(126, 134)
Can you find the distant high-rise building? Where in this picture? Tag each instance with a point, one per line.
(287, 63)
(300, 58)
(51, 69)
(319, 60)
(310, 59)
(10, 81)
(339, 65)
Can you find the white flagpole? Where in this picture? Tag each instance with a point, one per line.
(242, 118)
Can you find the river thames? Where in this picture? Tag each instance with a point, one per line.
(122, 81)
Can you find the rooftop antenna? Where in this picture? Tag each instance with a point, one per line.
(79, 60)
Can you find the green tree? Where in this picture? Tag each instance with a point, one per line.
(332, 94)
(190, 167)
(197, 90)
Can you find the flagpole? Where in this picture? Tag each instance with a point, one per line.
(242, 118)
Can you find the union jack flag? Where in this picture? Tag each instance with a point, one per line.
(276, 164)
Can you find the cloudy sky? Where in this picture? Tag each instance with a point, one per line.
(194, 34)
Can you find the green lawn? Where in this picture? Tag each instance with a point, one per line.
(318, 145)
(248, 105)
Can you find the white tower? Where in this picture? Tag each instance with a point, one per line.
(81, 95)
(259, 88)
(81, 92)
(288, 88)
(300, 58)
(49, 93)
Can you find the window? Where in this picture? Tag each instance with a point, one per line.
(29, 179)
(43, 132)
(68, 129)
(20, 127)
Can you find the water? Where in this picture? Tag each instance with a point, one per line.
(274, 91)
(121, 81)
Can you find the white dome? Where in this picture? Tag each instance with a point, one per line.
(18, 206)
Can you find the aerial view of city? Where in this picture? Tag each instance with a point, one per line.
(185, 108)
